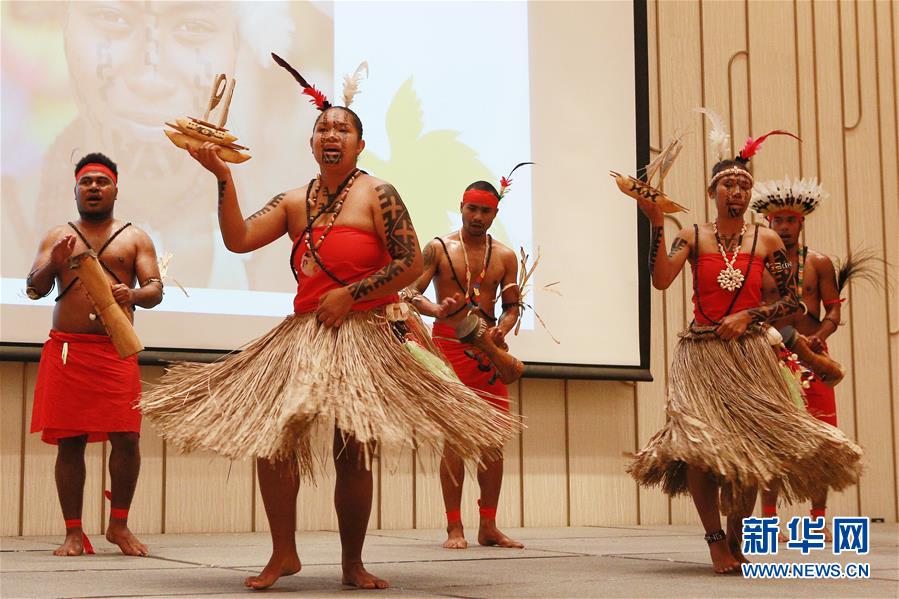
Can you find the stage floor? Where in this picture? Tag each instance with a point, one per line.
(647, 561)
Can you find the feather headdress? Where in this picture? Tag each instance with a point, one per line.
(506, 182)
(719, 138)
(351, 83)
(801, 196)
(318, 98)
(752, 145)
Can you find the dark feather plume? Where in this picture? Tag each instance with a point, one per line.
(859, 266)
(318, 98)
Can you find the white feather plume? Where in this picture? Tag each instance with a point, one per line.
(719, 138)
(351, 83)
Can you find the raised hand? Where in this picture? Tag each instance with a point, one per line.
(209, 159)
(62, 249)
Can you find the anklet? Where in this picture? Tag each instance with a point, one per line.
(714, 537)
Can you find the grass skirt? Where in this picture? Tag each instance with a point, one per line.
(730, 412)
(266, 400)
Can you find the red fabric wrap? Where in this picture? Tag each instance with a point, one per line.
(821, 513)
(480, 197)
(715, 300)
(85, 542)
(486, 512)
(118, 514)
(96, 167)
(467, 368)
(94, 393)
(833, 302)
(453, 516)
(351, 254)
(769, 511)
(821, 401)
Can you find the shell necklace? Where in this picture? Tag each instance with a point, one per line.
(730, 278)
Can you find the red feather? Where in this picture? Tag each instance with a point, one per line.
(752, 145)
(318, 98)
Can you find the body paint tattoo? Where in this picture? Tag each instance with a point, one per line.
(272, 204)
(676, 246)
(654, 242)
(778, 264)
(223, 183)
(401, 242)
(429, 255)
(733, 211)
(332, 156)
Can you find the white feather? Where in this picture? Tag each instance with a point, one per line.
(719, 138)
(351, 83)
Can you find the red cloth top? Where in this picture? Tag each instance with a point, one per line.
(716, 300)
(351, 254)
(92, 392)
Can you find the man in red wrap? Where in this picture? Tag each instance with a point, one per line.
(785, 204)
(470, 270)
(85, 392)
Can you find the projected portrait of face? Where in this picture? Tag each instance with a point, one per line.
(134, 65)
(131, 66)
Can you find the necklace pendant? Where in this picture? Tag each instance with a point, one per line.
(730, 278)
(307, 265)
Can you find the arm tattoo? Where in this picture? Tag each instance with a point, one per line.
(654, 243)
(268, 207)
(223, 183)
(430, 255)
(780, 268)
(401, 242)
(676, 246)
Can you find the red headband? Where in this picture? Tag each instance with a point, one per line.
(93, 166)
(481, 198)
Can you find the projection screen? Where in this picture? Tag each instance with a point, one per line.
(457, 92)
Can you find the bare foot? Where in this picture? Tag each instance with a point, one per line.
(356, 575)
(782, 538)
(119, 534)
(490, 535)
(828, 536)
(73, 544)
(277, 566)
(455, 538)
(722, 559)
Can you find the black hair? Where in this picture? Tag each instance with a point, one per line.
(97, 158)
(355, 117)
(483, 186)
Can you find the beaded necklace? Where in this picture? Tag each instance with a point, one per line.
(473, 290)
(309, 264)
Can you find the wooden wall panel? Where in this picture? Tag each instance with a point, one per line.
(544, 456)
(396, 473)
(196, 481)
(888, 119)
(12, 431)
(866, 228)
(602, 493)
